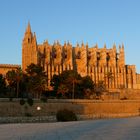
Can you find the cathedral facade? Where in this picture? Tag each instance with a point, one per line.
(95, 62)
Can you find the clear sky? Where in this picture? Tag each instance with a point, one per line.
(93, 21)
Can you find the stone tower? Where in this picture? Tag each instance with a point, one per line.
(29, 48)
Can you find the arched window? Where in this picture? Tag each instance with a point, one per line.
(98, 55)
(28, 40)
(78, 56)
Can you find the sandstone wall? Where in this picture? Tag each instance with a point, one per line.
(86, 108)
(4, 68)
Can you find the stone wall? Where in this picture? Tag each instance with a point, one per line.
(83, 108)
(138, 80)
(4, 68)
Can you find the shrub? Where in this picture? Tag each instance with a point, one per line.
(10, 99)
(30, 101)
(28, 115)
(66, 115)
(22, 101)
(43, 99)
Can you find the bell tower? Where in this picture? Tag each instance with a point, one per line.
(29, 48)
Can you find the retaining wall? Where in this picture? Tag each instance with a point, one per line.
(83, 108)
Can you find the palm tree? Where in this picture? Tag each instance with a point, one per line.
(3, 86)
(62, 89)
(99, 88)
(37, 80)
(14, 77)
(73, 80)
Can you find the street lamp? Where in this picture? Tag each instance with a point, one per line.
(38, 109)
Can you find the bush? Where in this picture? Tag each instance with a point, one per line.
(28, 115)
(30, 101)
(43, 99)
(66, 115)
(10, 99)
(22, 101)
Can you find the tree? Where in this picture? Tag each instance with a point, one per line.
(87, 85)
(99, 88)
(73, 80)
(14, 77)
(55, 82)
(37, 80)
(3, 87)
(62, 89)
(69, 79)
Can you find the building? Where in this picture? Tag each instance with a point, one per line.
(94, 62)
(4, 68)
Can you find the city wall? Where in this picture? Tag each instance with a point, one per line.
(85, 109)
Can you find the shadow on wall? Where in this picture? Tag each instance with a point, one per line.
(84, 109)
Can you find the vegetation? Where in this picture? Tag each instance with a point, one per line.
(36, 80)
(29, 101)
(14, 77)
(33, 84)
(70, 84)
(22, 101)
(3, 87)
(66, 115)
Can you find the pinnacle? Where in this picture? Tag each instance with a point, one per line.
(28, 29)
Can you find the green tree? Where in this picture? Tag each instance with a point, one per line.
(70, 79)
(62, 89)
(87, 86)
(99, 88)
(37, 80)
(55, 82)
(14, 77)
(3, 87)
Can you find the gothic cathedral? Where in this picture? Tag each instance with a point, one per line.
(94, 62)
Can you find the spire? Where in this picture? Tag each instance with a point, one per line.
(28, 36)
(77, 44)
(96, 46)
(65, 43)
(34, 37)
(68, 43)
(28, 29)
(122, 46)
(104, 46)
(114, 46)
(87, 45)
(82, 45)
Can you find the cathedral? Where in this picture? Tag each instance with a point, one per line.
(95, 62)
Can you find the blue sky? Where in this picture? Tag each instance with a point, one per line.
(93, 21)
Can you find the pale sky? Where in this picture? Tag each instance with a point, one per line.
(91, 21)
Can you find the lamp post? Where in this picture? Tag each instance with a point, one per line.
(38, 109)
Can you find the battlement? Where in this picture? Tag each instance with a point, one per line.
(4, 68)
(9, 66)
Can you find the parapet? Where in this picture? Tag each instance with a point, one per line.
(9, 66)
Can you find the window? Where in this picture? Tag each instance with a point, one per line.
(98, 55)
(89, 55)
(78, 56)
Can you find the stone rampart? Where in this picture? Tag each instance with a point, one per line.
(83, 108)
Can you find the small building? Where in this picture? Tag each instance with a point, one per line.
(4, 68)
